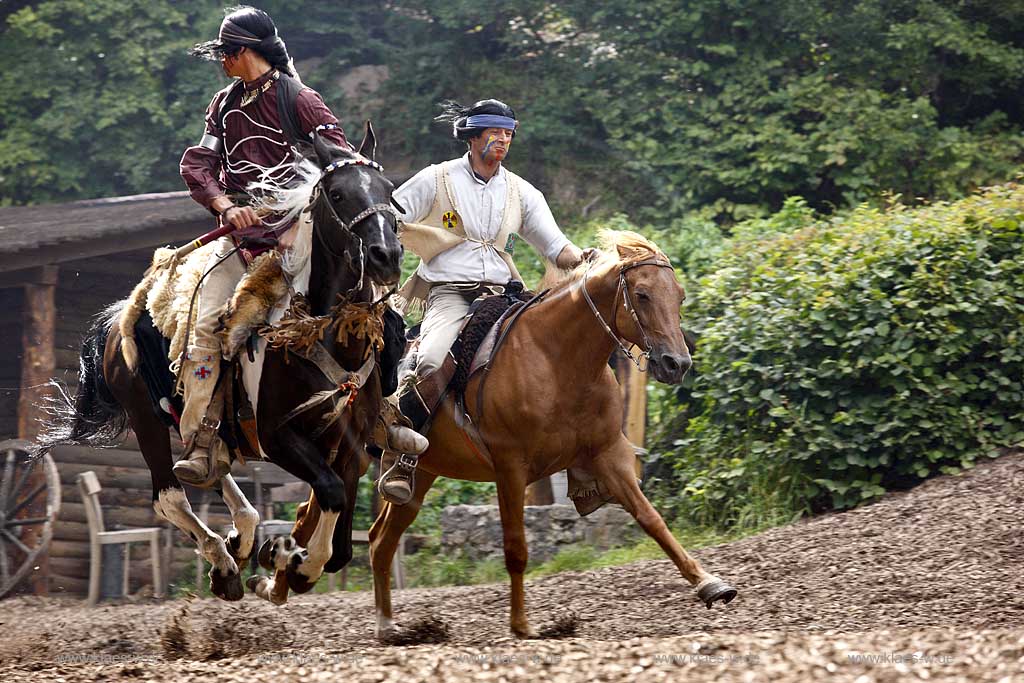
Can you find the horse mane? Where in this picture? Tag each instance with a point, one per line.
(289, 200)
(609, 242)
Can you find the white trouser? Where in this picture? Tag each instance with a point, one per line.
(214, 294)
(447, 306)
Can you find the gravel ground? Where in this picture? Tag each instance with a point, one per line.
(923, 585)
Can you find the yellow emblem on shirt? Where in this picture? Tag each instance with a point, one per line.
(450, 220)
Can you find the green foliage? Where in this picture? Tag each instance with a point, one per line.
(100, 97)
(651, 108)
(853, 355)
(832, 101)
(432, 567)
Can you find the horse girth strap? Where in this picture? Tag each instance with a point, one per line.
(347, 383)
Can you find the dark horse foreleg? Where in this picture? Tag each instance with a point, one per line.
(615, 468)
(303, 566)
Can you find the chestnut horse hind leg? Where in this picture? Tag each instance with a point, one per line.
(387, 529)
(169, 499)
(614, 467)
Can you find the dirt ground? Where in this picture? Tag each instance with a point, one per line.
(923, 585)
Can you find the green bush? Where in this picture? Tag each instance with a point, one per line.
(850, 356)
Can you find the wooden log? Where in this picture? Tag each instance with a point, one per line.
(140, 571)
(126, 497)
(112, 516)
(66, 358)
(111, 457)
(38, 364)
(70, 531)
(109, 476)
(63, 548)
(68, 585)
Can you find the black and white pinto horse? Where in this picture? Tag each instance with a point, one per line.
(351, 247)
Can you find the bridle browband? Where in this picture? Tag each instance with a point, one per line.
(368, 211)
(628, 303)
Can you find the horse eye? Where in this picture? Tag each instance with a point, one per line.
(642, 296)
(335, 196)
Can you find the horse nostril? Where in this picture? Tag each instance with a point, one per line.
(675, 365)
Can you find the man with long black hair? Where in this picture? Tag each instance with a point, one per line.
(462, 219)
(251, 126)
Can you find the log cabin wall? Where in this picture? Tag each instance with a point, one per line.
(11, 301)
(86, 287)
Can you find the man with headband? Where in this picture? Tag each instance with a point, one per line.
(250, 128)
(462, 216)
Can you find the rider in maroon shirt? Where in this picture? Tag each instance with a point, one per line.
(250, 128)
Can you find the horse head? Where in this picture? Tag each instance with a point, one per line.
(356, 209)
(649, 316)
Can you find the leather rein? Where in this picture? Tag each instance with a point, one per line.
(623, 288)
(346, 226)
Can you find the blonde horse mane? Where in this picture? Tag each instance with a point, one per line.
(618, 248)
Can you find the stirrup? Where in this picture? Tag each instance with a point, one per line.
(205, 438)
(401, 478)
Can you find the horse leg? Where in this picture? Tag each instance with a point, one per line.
(387, 529)
(244, 519)
(169, 499)
(276, 553)
(353, 469)
(614, 468)
(511, 498)
(304, 566)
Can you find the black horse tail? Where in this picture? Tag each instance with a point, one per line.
(92, 417)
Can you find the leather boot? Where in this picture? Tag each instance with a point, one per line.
(206, 459)
(395, 434)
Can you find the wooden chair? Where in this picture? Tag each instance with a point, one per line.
(89, 486)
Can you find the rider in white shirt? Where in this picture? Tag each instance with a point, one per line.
(460, 218)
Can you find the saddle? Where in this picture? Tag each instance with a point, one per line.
(159, 316)
(477, 342)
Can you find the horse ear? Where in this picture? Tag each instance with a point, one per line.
(304, 149)
(626, 252)
(368, 147)
(323, 150)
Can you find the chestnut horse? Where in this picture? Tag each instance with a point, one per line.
(550, 402)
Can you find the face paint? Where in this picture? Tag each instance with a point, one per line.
(487, 148)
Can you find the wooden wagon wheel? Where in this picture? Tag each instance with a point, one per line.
(27, 515)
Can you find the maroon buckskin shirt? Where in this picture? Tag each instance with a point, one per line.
(253, 141)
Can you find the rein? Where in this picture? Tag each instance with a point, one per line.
(302, 334)
(623, 288)
(346, 226)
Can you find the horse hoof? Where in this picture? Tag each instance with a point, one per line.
(227, 587)
(266, 555)
(297, 582)
(253, 581)
(234, 544)
(712, 590)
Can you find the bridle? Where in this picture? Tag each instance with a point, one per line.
(346, 226)
(623, 288)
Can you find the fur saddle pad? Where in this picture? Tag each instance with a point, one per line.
(484, 315)
(168, 294)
